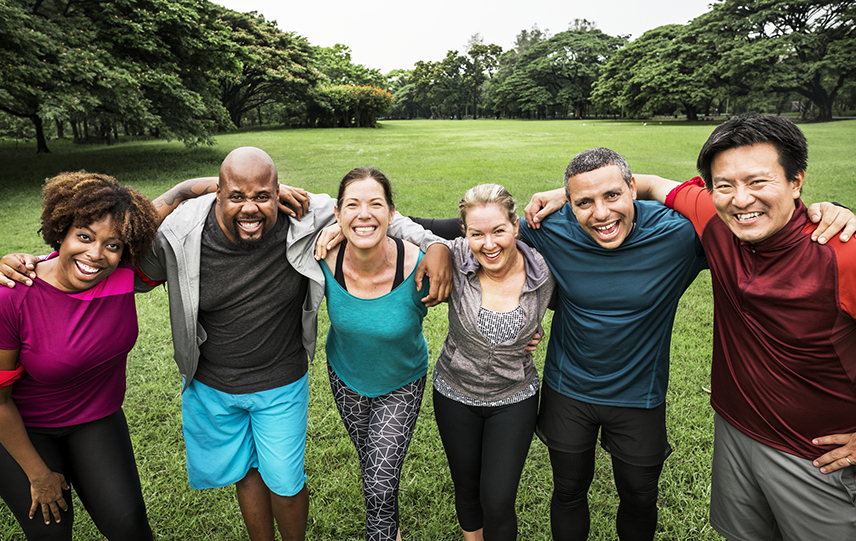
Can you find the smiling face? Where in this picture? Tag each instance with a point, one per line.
(364, 213)
(246, 204)
(751, 192)
(87, 255)
(603, 204)
(492, 237)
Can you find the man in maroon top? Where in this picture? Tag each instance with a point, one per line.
(784, 351)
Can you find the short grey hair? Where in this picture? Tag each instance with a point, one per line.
(595, 158)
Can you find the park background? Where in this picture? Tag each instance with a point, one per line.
(137, 89)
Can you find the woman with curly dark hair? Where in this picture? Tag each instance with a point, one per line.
(64, 344)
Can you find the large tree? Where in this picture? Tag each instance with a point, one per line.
(145, 64)
(482, 62)
(335, 62)
(807, 47)
(558, 73)
(668, 67)
(276, 66)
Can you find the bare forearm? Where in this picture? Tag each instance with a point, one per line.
(653, 188)
(14, 438)
(182, 191)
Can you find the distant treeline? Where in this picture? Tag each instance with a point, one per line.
(188, 69)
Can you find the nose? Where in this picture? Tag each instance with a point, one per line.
(364, 211)
(95, 251)
(742, 197)
(489, 241)
(601, 210)
(249, 206)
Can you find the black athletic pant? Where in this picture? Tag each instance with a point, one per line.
(569, 511)
(486, 448)
(97, 461)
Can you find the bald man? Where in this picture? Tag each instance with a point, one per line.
(244, 293)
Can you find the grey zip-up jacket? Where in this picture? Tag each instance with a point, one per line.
(175, 258)
(467, 362)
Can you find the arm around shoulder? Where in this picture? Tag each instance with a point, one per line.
(654, 188)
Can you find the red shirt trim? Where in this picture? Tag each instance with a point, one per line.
(146, 279)
(8, 377)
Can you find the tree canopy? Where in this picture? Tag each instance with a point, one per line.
(807, 47)
(147, 64)
(187, 69)
(275, 66)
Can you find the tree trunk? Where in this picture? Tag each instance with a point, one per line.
(41, 142)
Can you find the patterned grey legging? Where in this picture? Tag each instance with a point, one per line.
(381, 429)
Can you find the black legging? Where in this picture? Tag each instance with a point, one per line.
(486, 449)
(569, 511)
(97, 460)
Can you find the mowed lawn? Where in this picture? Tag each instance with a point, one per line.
(431, 164)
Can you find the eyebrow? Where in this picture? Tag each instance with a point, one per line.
(94, 234)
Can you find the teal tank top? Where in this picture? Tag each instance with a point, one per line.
(376, 346)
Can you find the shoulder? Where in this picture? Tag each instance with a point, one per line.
(330, 259)
(14, 296)
(535, 255)
(657, 217)
(13, 302)
(412, 256)
(562, 224)
(845, 258)
(189, 215)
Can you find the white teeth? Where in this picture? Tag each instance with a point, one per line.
(492, 254)
(748, 216)
(87, 269)
(250, 225)
(605, 227)
(364, 229)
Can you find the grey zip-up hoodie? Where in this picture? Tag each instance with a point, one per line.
(467, 362)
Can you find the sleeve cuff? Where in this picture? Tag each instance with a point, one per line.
(670, 199)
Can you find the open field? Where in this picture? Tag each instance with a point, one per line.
(431, 164)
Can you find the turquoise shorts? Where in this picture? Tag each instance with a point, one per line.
(227, 434)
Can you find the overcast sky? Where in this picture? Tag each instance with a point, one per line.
(386, 34)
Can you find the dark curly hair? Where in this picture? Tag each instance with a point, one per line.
(77, 199)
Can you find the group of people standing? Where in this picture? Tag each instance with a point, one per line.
(247, 274)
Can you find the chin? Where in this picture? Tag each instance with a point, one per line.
(247, 244)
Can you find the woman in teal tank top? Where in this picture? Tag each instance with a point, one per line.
(377, 356)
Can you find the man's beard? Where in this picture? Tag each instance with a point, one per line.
(243, 243)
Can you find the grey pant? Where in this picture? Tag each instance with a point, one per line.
(760, 493)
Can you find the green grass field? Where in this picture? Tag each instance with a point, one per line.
(431, 164)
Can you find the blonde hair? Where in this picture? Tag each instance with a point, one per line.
(487, 194)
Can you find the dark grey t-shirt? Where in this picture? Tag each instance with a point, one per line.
(250, 305)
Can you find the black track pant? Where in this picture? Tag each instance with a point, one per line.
(97, 461)
(486, 449)
(569, 511)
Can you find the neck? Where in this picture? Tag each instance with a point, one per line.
(515, 263)
(369, 261)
